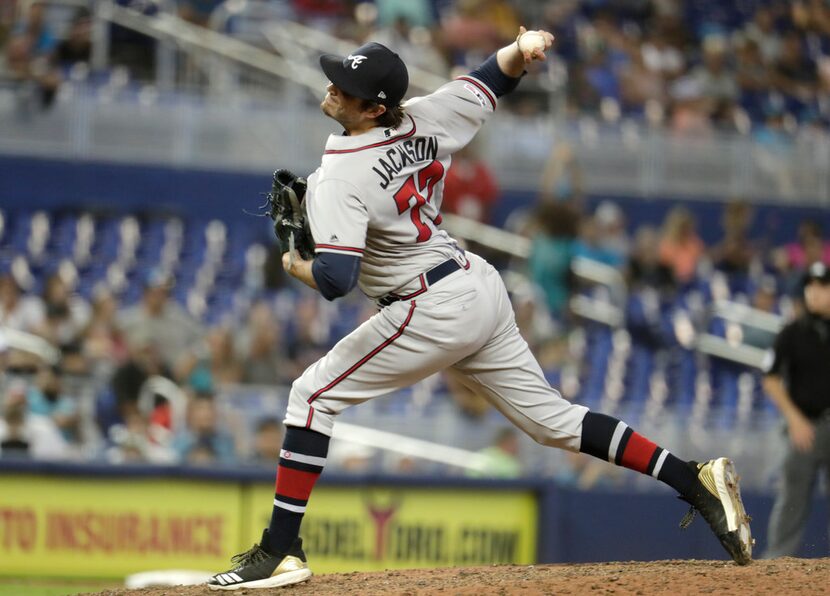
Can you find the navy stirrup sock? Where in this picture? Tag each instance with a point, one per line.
(302, 459)
(610, 439)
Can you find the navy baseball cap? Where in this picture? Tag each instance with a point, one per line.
(372, 72)
(819, 272)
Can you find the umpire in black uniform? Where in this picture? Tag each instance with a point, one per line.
(798, 382)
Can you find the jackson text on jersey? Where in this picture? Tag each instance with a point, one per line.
(400, 155)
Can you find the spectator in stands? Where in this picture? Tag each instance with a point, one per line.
(589, 244)
(160, 321)
(562, 177)
(810, 246)
(318, 11)
(504, 17)
(501, 459)
(735, 251)
(660, 56)
(470, 188)
(201, 453)
(133, 55)
(413, 43)
(137, 440)
(18, 311)
(203, 433)
(606, 32)
(811, 16)
(308, 334)
(640, 84)
(419, 13)
(26, 435)
(47, 398)
(76, 46)
(791, 259)
(4, 353)
(67, 316)
(798, 382)
(764, 299)
(259, 346)
(267, 442)
(613, 237)
(752, 75)
(7, 9)
(213, 362)
(551, 252)
(103, 344)
(595, 79)
(690, 110)
(30, 54)
(795, 72)
(225, 365)
(563, 19)
(762, 31)
(120, 401)
(680, 247)
(469, 29)
(774, 147)
(714, 77)
(651, 286)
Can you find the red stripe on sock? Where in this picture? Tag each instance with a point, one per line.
(638, 452)
(295, 484)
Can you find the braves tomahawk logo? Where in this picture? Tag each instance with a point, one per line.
(357, 60)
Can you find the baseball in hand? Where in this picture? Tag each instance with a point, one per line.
(532, 44)
(531, 40)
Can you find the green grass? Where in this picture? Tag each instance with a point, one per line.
(52, 587)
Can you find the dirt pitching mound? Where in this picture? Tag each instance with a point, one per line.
(780, 576)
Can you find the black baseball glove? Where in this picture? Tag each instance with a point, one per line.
(287, 209)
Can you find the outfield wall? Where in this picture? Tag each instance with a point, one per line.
(100, 521)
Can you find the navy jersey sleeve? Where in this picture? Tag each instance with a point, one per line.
(491, 75)
(335, 274)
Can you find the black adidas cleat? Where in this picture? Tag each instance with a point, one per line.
(258, 568)
(717, 497)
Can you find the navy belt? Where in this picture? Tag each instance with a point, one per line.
(432, 276)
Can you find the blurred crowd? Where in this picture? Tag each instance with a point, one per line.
(691, 66)
(120, 354)
(700, 65)
(668, 258)
(154, 367)
(151, 383)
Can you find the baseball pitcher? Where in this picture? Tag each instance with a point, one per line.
(370, 216)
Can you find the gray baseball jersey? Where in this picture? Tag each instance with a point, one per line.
(378, 195)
